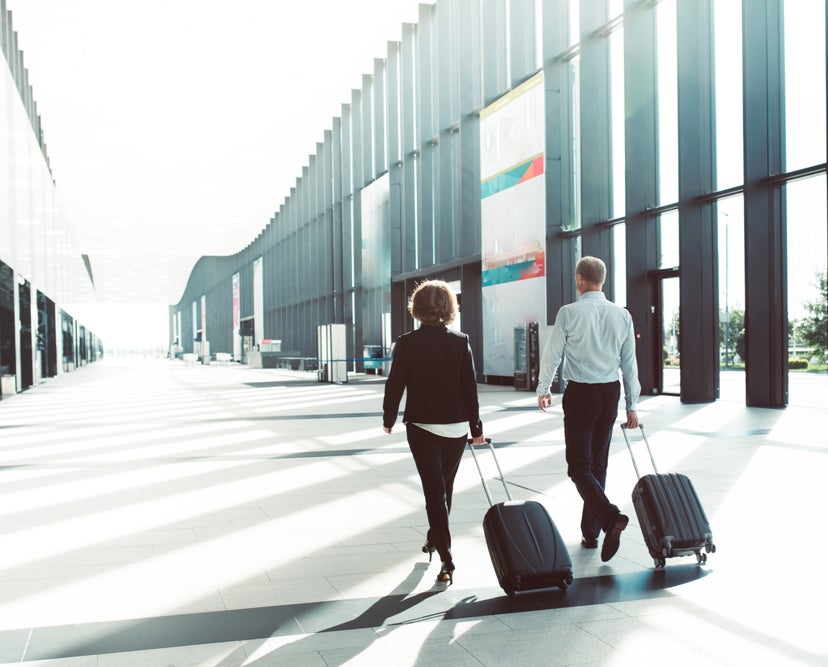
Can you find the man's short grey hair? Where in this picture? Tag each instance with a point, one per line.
(592, 270)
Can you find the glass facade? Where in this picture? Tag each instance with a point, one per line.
(682, 141)
(43, 277)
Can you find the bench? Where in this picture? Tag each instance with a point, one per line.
(223, 358)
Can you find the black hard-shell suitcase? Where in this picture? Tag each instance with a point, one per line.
(526, 549)
(671, 515)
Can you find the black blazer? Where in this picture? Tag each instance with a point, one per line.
(435, 365)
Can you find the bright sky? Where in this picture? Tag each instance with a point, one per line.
(176, 128)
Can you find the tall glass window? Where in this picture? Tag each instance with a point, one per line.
(667, 102)
(727, 28)
(806, 213)
(731, 261)
(415, 198)
(369, 129)
(397, 102)
(619, 264)
(668, 240)
(618, 116)
(575, 110)
(410, 96)
(574, 21)
(804, 83)
(538, 34)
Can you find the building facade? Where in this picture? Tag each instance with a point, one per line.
(44, 280)
(682, 141)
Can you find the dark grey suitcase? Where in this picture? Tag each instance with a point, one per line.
(526, 549)
(670, 513)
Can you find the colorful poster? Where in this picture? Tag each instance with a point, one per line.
(513, 220)
(258, 301)
(236, 316)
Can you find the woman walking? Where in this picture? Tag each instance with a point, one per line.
(435, 366)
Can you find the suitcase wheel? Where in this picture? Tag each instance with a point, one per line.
(701, 557)
(660, 562)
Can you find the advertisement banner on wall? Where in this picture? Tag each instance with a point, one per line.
(513, 221)
(258, 301)
(236, 316)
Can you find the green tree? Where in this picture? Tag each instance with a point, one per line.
(813, 328)
(732, 336)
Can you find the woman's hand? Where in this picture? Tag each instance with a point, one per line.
(386, 429)
(479, 440)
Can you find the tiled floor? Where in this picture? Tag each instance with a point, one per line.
(155, 514)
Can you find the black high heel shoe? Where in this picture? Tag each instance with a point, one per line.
(446, 575)
(428, 548)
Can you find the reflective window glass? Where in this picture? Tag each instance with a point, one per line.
(616, 46)
(804, 83)
(667, 102)
(574, 21)
(668, 240)
(727, 27)
(807, 258)
(575, 96)
(619, 264)
(538, 34)
(731, 263)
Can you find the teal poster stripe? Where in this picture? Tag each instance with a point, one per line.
(511, 177)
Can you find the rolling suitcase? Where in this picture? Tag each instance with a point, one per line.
(525, 546)
(671, 515)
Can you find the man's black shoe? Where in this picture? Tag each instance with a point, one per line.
(589, 543)
(612, 540)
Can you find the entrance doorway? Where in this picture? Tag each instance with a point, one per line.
(666, 285)
(25, 324)
(246, 332)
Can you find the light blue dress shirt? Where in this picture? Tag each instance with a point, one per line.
(592, 340)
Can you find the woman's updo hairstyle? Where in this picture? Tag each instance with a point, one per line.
(433, 303)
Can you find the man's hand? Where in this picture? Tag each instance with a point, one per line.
(544, 401)
(632, 419)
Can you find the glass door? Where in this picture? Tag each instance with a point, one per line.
(665, 284)
(670, 336)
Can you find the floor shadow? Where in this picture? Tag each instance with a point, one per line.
(312, 615)
(602, 589)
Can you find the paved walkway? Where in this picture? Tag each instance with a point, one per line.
(158, 514)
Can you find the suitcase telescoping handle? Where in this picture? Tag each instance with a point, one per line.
(646, 442)
(480, 471)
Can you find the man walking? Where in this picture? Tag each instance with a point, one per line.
(592, 340)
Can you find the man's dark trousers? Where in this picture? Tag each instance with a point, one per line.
(590, 411)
